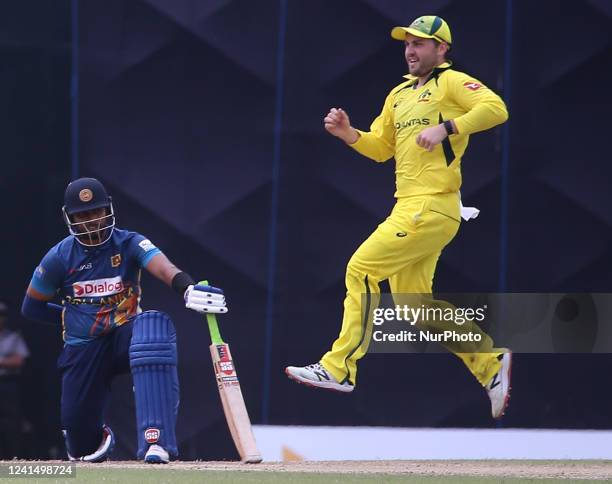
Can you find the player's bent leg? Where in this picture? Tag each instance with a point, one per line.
(86, 371)
(103, 452)
(153, 362)
(489, 365)
(337, 369)
(362, 297)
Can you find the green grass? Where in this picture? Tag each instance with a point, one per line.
(174, 476)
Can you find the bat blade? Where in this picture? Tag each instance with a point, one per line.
(232, 400)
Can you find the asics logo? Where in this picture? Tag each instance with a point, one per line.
(98, 287)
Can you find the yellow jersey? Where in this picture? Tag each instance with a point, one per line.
(447, 94)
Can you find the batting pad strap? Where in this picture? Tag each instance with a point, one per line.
(144, 354)
(153, 358)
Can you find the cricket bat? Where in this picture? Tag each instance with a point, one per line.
(231, 396)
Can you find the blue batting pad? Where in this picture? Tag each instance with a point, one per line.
(153, 360)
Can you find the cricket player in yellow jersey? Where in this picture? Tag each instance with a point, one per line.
(425, 124)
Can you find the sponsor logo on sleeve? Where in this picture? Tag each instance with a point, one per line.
(146, 245)
(40, 271)
(152, 435)
(472, 85)
(98, 287)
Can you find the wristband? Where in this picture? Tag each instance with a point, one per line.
(181, 281)
(448, 125)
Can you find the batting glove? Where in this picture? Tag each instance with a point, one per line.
(205, 299)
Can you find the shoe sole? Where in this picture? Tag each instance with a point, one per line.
(507, 398)
(154, 459)
(322, 385)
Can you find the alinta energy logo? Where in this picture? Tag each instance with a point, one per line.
(472, 85)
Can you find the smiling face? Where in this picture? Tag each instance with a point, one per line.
(422, 55)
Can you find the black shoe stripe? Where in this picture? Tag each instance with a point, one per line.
(322, 375)
(364, 325)
(494, 382)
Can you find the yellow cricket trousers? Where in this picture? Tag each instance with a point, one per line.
(403, 249)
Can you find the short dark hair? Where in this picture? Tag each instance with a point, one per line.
(437, 43)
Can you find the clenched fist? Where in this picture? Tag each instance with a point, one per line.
(338, 123)
(430, 137)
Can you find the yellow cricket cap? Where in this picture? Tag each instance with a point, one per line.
(428, 27)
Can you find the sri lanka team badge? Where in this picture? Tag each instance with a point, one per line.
(116, 260)
(85, 195)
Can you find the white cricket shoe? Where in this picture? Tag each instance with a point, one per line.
(316, 375)
(156, 455)
(498, 388)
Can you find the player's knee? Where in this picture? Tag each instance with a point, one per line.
(356, 272)
(153, 340)
(352, 268)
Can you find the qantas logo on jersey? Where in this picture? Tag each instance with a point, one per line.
(99, 287)
(412, 122)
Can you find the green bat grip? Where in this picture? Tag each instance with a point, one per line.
(213, 327)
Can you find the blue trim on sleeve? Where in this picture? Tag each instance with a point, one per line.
(43, 287)
(48, 276)
(147, 256)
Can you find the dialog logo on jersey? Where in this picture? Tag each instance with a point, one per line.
(98, 287)
(152, 435)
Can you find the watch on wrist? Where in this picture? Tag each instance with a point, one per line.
(448, 125)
